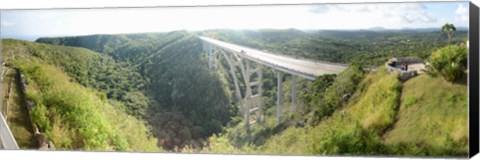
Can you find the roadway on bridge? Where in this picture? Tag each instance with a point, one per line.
(309, 68)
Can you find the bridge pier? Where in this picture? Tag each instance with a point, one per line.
(251, 100)
(211, 56)
(279, 97)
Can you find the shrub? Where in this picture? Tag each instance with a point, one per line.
(343, 86)
(39, 116)
(411, 100)
(75, 117)
(376, 109)
(355, 141)
(450, 62)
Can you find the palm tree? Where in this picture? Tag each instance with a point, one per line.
(449, 29)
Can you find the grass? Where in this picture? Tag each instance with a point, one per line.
(432, 114)
(377, 107)
(75, 117)
(18, 119)
(425, 116)
(350, 130)
(72, 116)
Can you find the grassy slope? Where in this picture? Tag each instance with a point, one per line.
(344, 123)
(165, 61)
(433, 113)
(89, 68)
(356, 123)
(73, 116)
(17, 118)
(382, 117)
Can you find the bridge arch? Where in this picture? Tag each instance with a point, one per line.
(249, 62)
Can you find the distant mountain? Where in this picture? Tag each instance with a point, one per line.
(377, 29)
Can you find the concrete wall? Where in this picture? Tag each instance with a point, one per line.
(404, 75)
(6, 138)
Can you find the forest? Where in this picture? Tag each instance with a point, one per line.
(154, 92)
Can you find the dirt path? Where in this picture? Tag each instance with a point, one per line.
(18, 117)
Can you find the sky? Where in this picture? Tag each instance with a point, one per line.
(31, 24)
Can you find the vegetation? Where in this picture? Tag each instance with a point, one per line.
(345, 132)
(449, 29)
(436, 116)
(337, 94)
(118, 92)
(172, 73)
(377, 120)
(369, 48)
(16, 112)
(74, 117)
(450, 62)
(86, 67)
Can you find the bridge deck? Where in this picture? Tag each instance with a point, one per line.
(306, 68)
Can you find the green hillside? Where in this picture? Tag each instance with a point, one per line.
(160, 83)
(432, 115)
(69, 114)
(381, 118)
(174, 79)
(91, 69)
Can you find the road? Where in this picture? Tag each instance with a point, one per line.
(7, 141)
(305, 68)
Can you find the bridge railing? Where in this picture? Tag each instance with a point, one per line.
(284, 69)
(306, 59)
(6, 137)
(278, 67)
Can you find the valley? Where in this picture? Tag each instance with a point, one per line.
(154, 92)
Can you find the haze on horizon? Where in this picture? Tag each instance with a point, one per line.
(32, 24)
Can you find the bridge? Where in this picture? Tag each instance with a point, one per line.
(249, 63)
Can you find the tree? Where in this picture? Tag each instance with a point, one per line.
(449, 29)
(450, 62)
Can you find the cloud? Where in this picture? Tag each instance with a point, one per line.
(386, 13)
(461, 14)
(319, 9)
(323, 16)
(408, 13)
(7, 24)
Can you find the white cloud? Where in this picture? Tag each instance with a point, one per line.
(7, 24)
(329, 16)
(461, 14)
(320, 8)
(390, 15)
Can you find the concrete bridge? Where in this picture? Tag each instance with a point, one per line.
(249, 63)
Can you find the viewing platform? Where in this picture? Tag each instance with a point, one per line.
(407, 67)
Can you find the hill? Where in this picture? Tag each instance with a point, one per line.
(434, 111)
(192, 109)
(174, 78)
(91, 69)
(383, 117)
(67, 113)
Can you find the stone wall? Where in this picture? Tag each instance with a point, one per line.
(43, 142)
